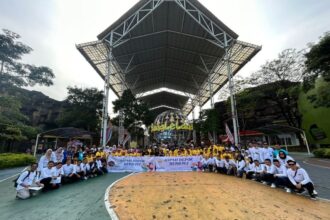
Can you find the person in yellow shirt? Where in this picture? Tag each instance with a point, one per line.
(100, 153)
(90, 158)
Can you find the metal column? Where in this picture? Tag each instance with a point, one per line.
(106, 95)
(232, 98)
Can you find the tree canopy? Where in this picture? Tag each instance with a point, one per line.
(13, 71)
(84, 109)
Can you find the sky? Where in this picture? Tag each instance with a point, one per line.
(53, 28)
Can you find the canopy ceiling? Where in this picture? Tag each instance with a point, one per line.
(173, 44)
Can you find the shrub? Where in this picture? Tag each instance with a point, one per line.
(322, 152)
(8, 160)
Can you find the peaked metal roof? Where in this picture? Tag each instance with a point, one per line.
(174, 44)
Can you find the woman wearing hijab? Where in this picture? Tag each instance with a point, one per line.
(283, 157)
(43, 162)
(59, 156)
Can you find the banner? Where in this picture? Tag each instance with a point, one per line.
(145, 164)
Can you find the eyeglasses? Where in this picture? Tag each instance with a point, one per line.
(291, 164)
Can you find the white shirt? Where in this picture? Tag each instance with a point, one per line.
(283, 161)
(269, 169)
(220, 163)
(46, 172)
(229, 163)
(249, 167)
(43, 162)
(25, 179)
(68, 169)
(298, 176)
(58, 157)
(85, 167)
(78, 168)
(57, 174)
(280, 171)
(259, 169)
(99, 164)
(240, 165)
(211, 161)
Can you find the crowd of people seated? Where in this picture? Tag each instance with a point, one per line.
(257, 161)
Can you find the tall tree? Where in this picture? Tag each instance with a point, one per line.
(84, 109)
(13, 71)
(318, 66)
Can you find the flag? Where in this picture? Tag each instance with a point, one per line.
(109, 132)
(127, 137)
(229, 134)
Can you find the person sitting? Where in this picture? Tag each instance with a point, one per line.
(100, 166)
(94, 168)
(240, 165)
(47, 174)
(69, 172)
(25, 180)
(57, 175)
(79, 171)
(258, 169)
(85, 167)
(43, 162)
(220, 165)
(283, 157)
(267, 175)
(299, 179)
(211, 163)
(230, 165)
(280, 174)
(249, 168)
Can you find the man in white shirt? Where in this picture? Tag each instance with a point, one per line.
(46, 176)
(79, 171)
(85, 167)
(267, 174)
(240, 166)
(280, 174)
(25, 180)
(57, 175)
(211, 163)
(258, 169)
(69, 172)
(299, 179)
(230, 165)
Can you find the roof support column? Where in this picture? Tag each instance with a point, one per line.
(232, 95)
(104, 126)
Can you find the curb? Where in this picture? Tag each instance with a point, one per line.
(107, 203)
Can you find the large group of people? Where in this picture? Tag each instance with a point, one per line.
(270, 165)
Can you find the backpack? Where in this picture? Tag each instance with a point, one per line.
(15, 180)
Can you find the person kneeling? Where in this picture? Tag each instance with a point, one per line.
(25, 181)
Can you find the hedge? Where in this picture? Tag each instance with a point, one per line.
(322, 152)
(8, 160)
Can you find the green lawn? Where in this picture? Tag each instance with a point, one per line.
(317, 116)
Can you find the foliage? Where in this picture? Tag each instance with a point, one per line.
(289, 66)
(84, 109)
(209, 121)
(8, 160)
(318, 58)
(133, 110)
(318, 65)
(12, 71)
(12, 122)
(322, 152)
(240, 83)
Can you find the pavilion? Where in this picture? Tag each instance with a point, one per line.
(173, 54)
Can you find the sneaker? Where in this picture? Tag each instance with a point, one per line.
(288, 190)
(273, 185)
(313, 197)
(85, 178)
(314, 192)
(264, 182)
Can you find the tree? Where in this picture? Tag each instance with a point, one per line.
(12, 122)
(84, 109)
(240, 83)
(318, 66)
(289, 66)
(133, 109)
(12, 71)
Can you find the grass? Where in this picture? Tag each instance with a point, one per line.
(8, 160)
(311, 115)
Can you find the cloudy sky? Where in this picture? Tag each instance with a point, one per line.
(53, 27)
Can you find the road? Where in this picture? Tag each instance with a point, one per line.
(318, 170)
(83, 200)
